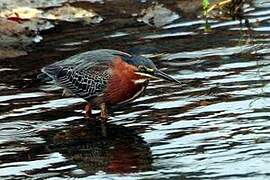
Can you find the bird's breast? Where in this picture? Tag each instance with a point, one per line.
(125, 85)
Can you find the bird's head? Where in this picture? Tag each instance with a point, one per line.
(147, 69)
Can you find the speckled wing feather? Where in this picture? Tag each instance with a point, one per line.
(84, 84)
(85, 74)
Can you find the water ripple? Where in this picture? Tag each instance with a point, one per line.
(213, 126)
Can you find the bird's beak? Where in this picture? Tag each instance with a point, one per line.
(162, 75)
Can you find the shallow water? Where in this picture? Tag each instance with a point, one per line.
(214, 126)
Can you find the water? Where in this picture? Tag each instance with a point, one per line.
(214, 126)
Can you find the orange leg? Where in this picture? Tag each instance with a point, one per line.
(104, 113)
(88, 110)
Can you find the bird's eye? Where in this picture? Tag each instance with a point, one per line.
(145, 69)
(142, 68)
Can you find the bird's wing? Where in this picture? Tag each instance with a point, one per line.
(84, 83)
(90, 58)
(86, 60)
(85, 74)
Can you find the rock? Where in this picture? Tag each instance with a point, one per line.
(72, 14)
(22, 20)
(157, 15)
(15, 37)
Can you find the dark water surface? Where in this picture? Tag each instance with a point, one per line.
(215, 126)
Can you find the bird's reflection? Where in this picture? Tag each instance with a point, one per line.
(121, 150)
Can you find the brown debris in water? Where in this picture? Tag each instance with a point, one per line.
(21, 22)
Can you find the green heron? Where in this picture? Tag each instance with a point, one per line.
(104, 77)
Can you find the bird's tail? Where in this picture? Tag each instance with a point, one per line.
(48, 73)
(39, 79)
(43, 77)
